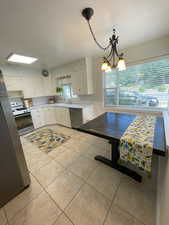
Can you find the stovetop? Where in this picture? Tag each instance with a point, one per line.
(20, 111)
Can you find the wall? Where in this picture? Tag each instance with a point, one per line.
(19, 70)
(146, 52)
(23, 72)
(163, 180)
(163, 192)
(41, 100)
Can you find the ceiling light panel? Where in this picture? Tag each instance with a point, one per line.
(21, 59)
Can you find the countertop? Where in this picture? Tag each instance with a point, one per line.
(65, 105)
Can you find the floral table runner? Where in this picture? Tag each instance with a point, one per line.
(136, 144)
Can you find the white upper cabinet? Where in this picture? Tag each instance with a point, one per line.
(13, 83)
(31, 85)
(81, 76)
(47, 86)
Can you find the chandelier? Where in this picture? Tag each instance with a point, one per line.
(113, 59)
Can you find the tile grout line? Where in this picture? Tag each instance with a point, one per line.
(39, 167)
(68, 218)
(75, 194)
(128, 212)
(122, 209)
(84, 183)
(6, 216)
(62, 210)
(44, 189)
(63, 213)
(108, 211)
(53, 180)
(48, 194)
(24, 206)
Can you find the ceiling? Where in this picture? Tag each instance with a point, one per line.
(55, 32)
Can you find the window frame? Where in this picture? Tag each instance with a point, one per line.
(133, 108)
(71, 91)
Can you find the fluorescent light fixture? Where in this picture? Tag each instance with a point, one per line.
(21, 59)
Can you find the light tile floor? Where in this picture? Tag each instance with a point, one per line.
(68, 187)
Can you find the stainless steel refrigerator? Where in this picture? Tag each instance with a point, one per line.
(14, 175)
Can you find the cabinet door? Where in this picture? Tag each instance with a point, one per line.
(65, 117)
(47, 86)
(53, 115)
(38, 86)
(42, 117)
(36, 118)
(13, 83)
(49, 115)
(79, 83)
(62, 116)
(58, 115)
(29, 87)
(33, 86)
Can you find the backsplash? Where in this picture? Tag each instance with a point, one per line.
(40, 100)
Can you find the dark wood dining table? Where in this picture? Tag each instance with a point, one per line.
(111, 126)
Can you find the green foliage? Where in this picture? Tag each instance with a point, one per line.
(142, 89)
(153, 75)
(162, 88)
(59, 89)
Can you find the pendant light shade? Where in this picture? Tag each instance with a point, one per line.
(104, 66)
(121, 65)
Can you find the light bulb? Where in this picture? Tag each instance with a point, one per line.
(121, 64)
(104, 66)
(108, 69)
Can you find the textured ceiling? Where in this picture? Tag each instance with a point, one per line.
(55, 32)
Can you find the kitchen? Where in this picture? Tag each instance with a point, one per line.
(84, 112)
(39, 99)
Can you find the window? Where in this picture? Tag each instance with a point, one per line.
(140, 85)
(68, 92)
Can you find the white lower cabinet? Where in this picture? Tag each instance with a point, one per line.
(63, 116)
(50, 115)
(38, 117)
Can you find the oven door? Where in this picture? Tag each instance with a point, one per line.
(23, 121)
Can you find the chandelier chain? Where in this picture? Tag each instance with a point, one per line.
(94, 37)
